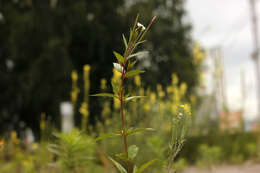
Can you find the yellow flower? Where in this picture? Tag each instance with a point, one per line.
(186, 108)
(175, 79)
(2, 144)
(153, 98)
(84, 109)
(74, 75)
(35, 146)
(137, 80)
(14, 138)
(86, 68)
(103, 84)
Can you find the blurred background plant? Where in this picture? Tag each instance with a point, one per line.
(74, 150)
(59, 51)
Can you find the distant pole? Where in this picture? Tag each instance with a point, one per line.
(219, 79)
(255, 54)
(243, 91)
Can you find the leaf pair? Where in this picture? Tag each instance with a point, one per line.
(136, 170)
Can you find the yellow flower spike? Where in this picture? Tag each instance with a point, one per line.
(174, 109)
(169, 89)
(198, 54)
(153, 98)
(187, 109)
(2, 143)
(14, 139)
(167, 127)
(160, 92)
(74, 75)
(35, 146)
(75, 90)
(86, 68)
(147, 107)
(183, 89)
(116, 76)
(159, 87)
(137, 80)
(107, 122)
(141, 92)
(103, 84)
(116, 103)
(84, 109)
(176, 95)
(175, 79)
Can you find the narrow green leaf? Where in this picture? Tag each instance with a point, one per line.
(132, 151)
(118, 67)
(53, 148)
(133, 73)
(122, 156)
(132, 131)
(131, 64)
(140, 42)
(103, 95)
(119, 57)
(125, 42)
(137, 54)
(144, 166)
(107, 135)
(131, 35)
(133, 97)
(118, 166)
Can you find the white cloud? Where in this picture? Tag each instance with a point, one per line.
(228, 24)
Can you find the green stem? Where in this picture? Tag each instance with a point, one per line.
(122, 104)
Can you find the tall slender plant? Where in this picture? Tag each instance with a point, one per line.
(124, 65)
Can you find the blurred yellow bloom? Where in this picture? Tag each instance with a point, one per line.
(153, 98)
(35, 146)
(14, 138)
(198, 54)
(116, 76)
(174, 109)
(86, 68)
(183, 89)
(116, 103)
(169, 89)
(2, 143)
(74, 75)
(137, 80)
(147, 107)
(175, 79)
(186, 108)
(103, 84)
(167, 127)
(84, 109)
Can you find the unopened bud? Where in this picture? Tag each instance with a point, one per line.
(154, 18)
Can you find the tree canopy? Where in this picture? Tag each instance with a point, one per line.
(41, 42)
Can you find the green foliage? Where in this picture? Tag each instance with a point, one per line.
(73, 149)
(122, 66)
(180, 165)
(118, 166)
(180, 123)
(45, 42)
(209, 156)
(132, 151)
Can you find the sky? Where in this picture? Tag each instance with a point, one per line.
(227, 23)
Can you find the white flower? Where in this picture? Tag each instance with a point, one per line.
(139, 25)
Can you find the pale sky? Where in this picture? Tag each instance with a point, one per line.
(227, 23)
